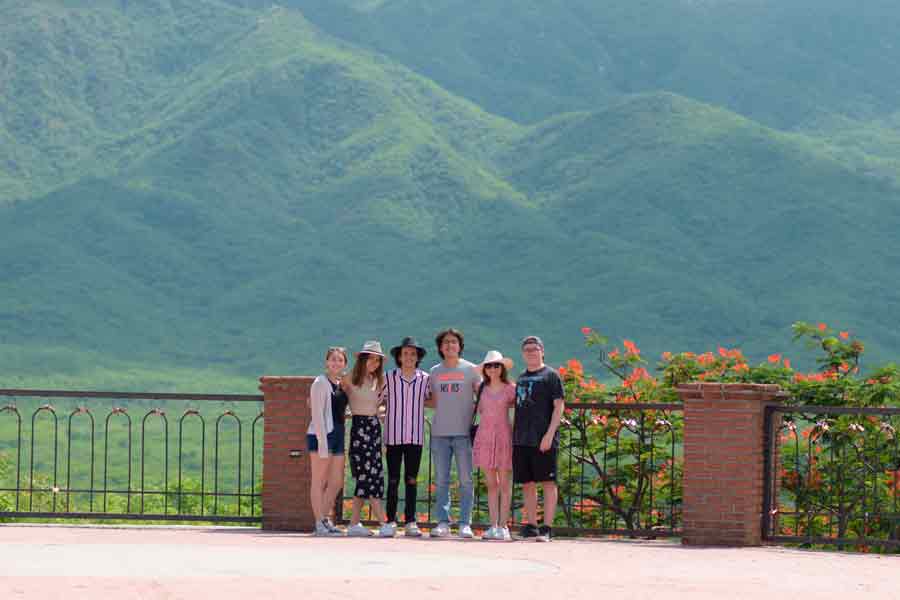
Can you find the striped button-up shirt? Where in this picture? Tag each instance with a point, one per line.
(404, 399)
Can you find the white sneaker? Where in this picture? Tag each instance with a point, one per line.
(321, 529)
(490, 534)
(504, 534)
(465, 532)
(388, 530)
(359, 530)
(333, 530)
(442, 530)
(412, 530)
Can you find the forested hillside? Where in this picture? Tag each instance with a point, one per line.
(193, 194)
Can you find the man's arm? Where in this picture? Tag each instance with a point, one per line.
(547, 441)
(429, 399)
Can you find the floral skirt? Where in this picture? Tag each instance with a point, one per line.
(365, 457)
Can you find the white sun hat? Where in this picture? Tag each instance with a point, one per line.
(493, 356)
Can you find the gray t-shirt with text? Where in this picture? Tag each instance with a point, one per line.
(454, 392)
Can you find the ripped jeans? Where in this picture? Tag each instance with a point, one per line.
(409, 456)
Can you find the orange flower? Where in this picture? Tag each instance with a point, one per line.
(667, 356)
(723, 352)
(563, 372)
(787, 364)
(590, 385)
(822, 326)
(741, 368)
(636, 375)
(893, 480)
(706, 358)
(774, 358)
(844, 367)
(575, 366)
(614, 354)
(631, 348)
(601, 420)
(844, 335)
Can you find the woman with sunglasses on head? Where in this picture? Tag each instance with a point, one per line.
(363, 387)
(325, 440)
(492, 449)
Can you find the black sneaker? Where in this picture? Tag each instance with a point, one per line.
(529, 531)
(545, 534)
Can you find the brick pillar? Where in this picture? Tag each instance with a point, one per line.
(286, 471)
(723, 462)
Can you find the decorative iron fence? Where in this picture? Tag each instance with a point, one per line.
(832, 476)
(621, 469)
(619, 473)
(50, 463)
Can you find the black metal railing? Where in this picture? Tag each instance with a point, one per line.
(620, 470)
(139, 479)
(619, 473)
(832, 476)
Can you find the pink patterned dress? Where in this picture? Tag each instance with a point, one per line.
(493, 442)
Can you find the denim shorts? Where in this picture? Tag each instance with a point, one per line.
(335, 441)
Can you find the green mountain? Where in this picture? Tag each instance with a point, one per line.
(776, 62)
(192, 195)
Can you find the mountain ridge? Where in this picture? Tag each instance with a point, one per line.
(260, 212)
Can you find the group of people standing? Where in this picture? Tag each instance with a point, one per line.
(521, 450)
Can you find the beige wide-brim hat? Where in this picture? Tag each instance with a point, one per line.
(371, 347)
(493, 356)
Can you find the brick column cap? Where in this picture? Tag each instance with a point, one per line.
(765, 388)
(706, 390)
(284, 382)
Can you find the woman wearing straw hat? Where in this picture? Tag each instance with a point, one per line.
(363, 389)
(492, 450)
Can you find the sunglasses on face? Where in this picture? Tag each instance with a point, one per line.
(493, 366)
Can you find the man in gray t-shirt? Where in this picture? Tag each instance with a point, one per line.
(451, 389)
(453, 385)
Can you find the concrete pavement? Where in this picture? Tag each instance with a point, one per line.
(212, 563)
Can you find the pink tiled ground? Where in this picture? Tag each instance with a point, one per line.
(72, 563)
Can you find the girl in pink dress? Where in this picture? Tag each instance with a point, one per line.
(492, 449)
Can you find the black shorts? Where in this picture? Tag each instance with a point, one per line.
(530, 465)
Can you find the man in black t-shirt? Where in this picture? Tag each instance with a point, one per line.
(539, 407)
